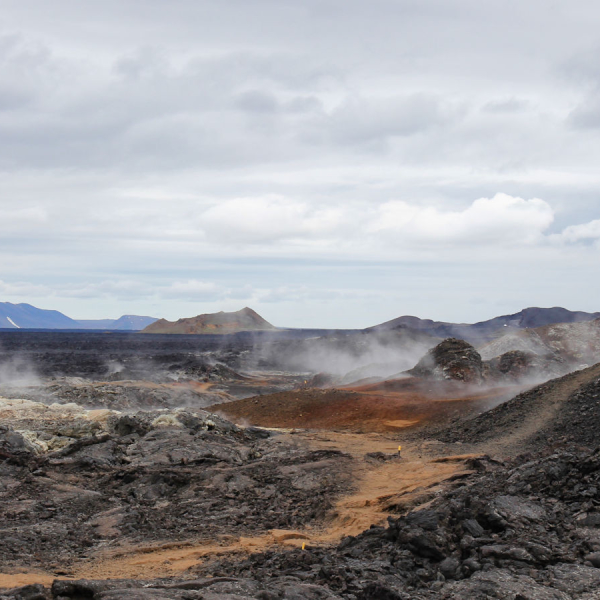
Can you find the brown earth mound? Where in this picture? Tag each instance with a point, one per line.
(219, 323)
(385, 406)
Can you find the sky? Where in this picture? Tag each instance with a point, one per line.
(330, 163)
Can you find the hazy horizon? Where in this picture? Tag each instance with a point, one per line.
(329, 164)
(285, 326)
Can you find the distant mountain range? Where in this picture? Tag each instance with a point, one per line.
(219, 323)
(483, 331)
(25, 316)
(124, 323)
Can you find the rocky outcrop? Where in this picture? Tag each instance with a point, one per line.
(451, 359)
(458, 360)
(519, 366)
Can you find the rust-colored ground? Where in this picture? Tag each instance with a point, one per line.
(383, 407)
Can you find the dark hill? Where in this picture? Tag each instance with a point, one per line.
(483, 331)
(537, 317)
(577, 342)
(566, 409)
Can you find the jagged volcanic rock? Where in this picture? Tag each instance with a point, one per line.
(451, 359)
(526, 529)
(517, 365)
(72, 480)
(458, 360)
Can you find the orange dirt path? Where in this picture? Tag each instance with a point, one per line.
(383, 488)
(12, 580)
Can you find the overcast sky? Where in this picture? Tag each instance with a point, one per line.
(328, 163)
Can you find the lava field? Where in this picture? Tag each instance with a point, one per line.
(191, 467)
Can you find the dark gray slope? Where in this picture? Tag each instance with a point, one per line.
(563, 409)
(486, 330)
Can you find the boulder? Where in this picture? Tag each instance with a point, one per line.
(451, 359)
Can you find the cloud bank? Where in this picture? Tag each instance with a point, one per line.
(323, 161)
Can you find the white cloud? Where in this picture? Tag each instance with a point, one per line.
(190, 290)
(506, 106)
(193, 290)
(268, 219)
(579, 233)
(33, 214)
(500, 219)
(587, 114)
(16, 222)
(123, 289)
(363, 120)
(23, 289)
